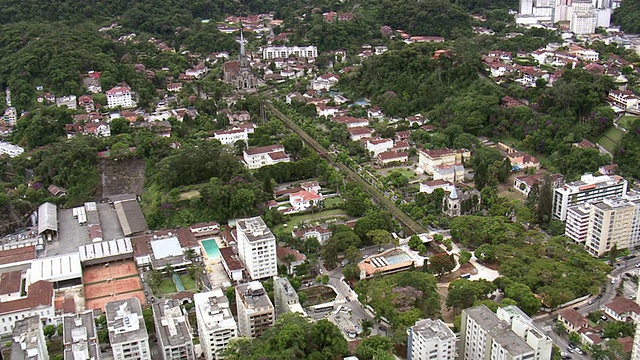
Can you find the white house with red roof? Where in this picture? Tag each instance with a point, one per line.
(324, 82)
(230, 137)
(623, 98)
(120, 96)
(256, 158)
(378, 145)
(304, 199)
(359, 133)
(429, 159)
(430, 186)
(389, 157)
(351, 122)
(98, 129)
(37, 301)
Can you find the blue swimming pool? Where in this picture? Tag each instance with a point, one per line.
(210, 247)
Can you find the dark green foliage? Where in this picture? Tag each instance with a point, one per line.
(628, 16)
(292, 337)
(627, 155)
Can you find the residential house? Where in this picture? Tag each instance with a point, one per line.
(375, 113)
(198, 71)
(608, 169)
(290, 258)
(265, 155)
(37, 301)
(324, 82)
(378, 145)
(69, 101)
(86, 102)
(351, 122)
(572, 320)
(230, 137)
(56, 191)
(525, 183)
(389, 157)
(326, 110)
(97, 129)
(318, 232)
(174, 87)
(621, 309)
(359, 133)
(403, 135)
(452, 173)
(304, 200)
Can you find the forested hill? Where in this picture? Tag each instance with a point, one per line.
(628, 16)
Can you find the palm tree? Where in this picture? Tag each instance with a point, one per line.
(169, 269)
(190, 254)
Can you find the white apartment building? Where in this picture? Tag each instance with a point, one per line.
(80, 337)
(37, 302)
(257, 248)
(119, 96)
(10, 149)
(484, 336)
(523, 326)
(127, 332)
(583, 18)
(273, 52)
(70, 101)
(577, 224)
(216, 325)
(173, 331)
(256, 158)
(431, 339)
(588, 188)
(286, 298)
(28, 340)
(429, 159)
(230, 137)
(256, 313)
(610, 223)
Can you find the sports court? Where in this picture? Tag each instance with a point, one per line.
(111, 281)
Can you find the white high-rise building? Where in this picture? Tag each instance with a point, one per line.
(257, 248)
(431, 339)
(484, 336)
(119, 96)
(173, 331)
(127, 332)
(523, 326)
(216, 325)
(588, 188)
(80, 337)
(584, 17)
(601, 224)
(255, 311)
(273, 52)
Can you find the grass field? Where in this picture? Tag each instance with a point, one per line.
(626, 120)
(189, 195)
(410, 174)
(611, 138)
(333, 201)
(297, 219)
(188, 282)
(167, 286)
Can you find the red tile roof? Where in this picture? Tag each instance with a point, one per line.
(574, 318)
(621, 305)
(39, 293)
(10, 282)
(264, 149)
(17, 255)
(231, 259)
(281, 252)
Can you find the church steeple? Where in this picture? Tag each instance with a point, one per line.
(244, 62)
(242, 53)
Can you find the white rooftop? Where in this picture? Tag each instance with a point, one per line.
(55, 268)
(105, 249)
(167, 247)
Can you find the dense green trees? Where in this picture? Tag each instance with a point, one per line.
(627, 155)
(627, 16)
(464, 293)
(292, 337)
(401, 298)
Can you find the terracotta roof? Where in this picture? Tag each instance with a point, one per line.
(621, 305)
(281, 252)
(17, 255)
(306, 195)
(39, 293)
(627, 344)
(264, 149)
(278, 155)
(359, 130)
(392, 155)
(574, 318)
(10, 282)
(434, 153)
(65, 305)
(438, 182)
(231, 259)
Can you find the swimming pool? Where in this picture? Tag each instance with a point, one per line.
(210, 247)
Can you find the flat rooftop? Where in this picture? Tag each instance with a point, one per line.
(254, 229)
(171, 323)
(253, 297)
(430, 329)
(125, 322)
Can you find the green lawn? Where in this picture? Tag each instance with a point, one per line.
(189, 195)
(410, 174)
(611, 138)
(333, 201)
(626, 120)
(167, 286)
(188, 282)
(296, 219)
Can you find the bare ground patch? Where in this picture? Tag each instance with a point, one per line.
(122, 176)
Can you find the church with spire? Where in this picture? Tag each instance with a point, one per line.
(238, 72)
